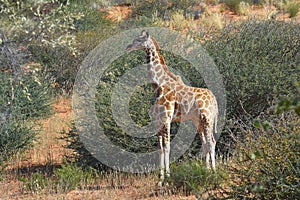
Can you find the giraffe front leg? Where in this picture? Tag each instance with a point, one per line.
(164, 144)
(167, 148)
(161, 161)
(167, 159)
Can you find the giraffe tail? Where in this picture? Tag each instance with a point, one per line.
(215, 127)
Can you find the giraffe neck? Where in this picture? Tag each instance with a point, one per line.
(156, 66)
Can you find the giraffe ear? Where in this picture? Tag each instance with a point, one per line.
(145, 34)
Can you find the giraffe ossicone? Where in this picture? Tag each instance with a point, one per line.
(177, 102)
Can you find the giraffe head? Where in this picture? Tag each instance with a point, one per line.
(144, 41)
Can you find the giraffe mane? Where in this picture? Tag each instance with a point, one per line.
(163, 62)
(161, 58)
(155, 43)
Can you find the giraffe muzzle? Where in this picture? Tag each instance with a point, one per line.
(129, 47)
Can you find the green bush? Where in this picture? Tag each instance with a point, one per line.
(70, 176)
(35, 183)
(61, 62)
(24, 98)
(233, 4)
(259, 62)
(15, 135)
(43, 22)
(292, 8)
(194, 177)
(267, 161)
(244, 8)
(81, 155)
(161, 9)
(29, 96)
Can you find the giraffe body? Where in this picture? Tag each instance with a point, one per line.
(177, 102)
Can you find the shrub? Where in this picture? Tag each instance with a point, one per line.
(15, 135)
(193, 176)
(292, 8)
(25, 97)
(233, 4)
(267, 161)
(149, 9)
(61, 62)
(80, 154)
(289, 103)
(70, 176)
(158, 8)
(244, 8)
(251, 57)
(43, 23)
(35, 183)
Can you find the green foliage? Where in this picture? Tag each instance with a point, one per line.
(241, 7)
(23, 98)
(193, 176)
(267, 163)
(244, 8)
(182, 4)
(60, 65)
(233, 4)
(292, 8)
(40, 31)
(92, 20)
(290, 103)
(15, 135)
(70, 176)
(259, 62)
(44, 22)
(161, 9)
(81, 155)
(60, 61)
(31, 96)
(150, 8)
(35, 183)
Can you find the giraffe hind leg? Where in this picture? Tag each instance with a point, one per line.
(208, 143)
(210, 146)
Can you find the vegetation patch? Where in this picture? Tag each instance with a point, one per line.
(194, 177)
(267, 161)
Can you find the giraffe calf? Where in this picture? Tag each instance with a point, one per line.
(177, 102)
